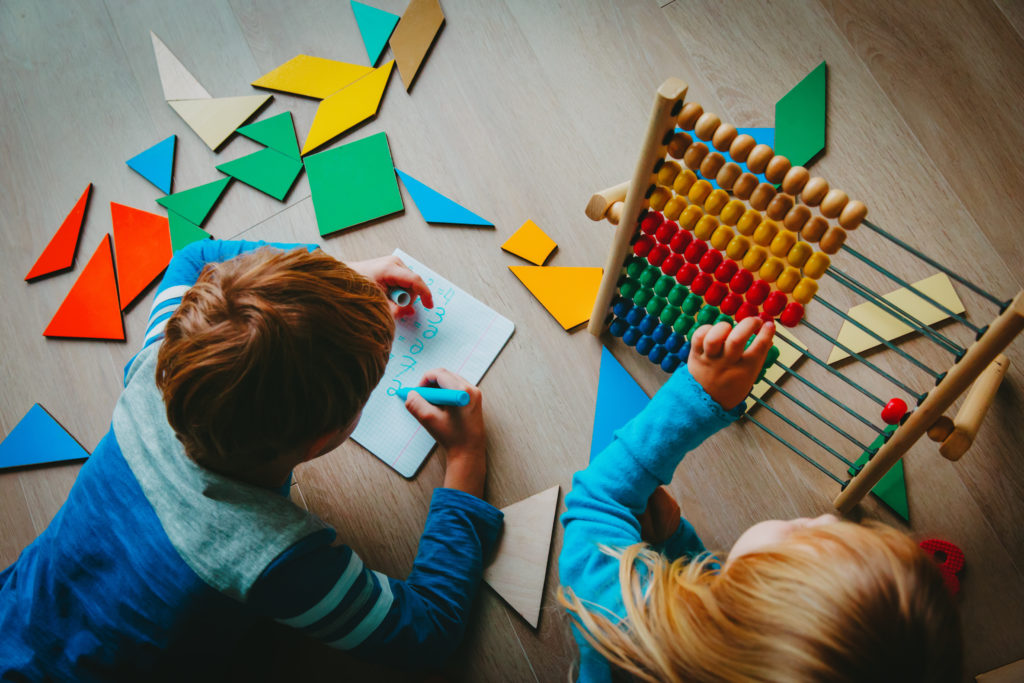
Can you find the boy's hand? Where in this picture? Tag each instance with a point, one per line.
(721, 364)
(388, 272)
(459, 429)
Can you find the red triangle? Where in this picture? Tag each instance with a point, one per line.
(60, 252)
(142, 248)
(91, 309)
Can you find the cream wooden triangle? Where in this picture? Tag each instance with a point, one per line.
(216, 118)
(520, 563)
(176, 80)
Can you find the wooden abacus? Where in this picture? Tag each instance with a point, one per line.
(686, 253)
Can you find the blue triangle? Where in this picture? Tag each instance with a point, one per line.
(156, 164)
(619, 399)
(436, 208)
(376, 26)
(38, 439)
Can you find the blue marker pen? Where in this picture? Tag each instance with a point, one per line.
(400, 296)
(437, 396)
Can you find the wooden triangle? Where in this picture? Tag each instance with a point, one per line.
(91, 309)
(568, 293)
(311, 76)
(195, 204)
(176, 80)
(436, 208)
(38, 439)
(267, 170)
(531, 243)
(59, 254)
(415, 33)
(347, 107)
(520, 562)
(184, 232)
(215, 119)
(277, 133)
(375, 25)
(142, 249)
(156, 164)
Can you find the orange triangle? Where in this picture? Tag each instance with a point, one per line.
(91, 309)
(142, 247)
(60, 252)
(567, 293)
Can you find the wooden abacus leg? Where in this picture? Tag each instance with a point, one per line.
(972, 412)
(599, 204)
(996, 338)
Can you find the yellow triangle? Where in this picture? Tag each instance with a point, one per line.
(347, 107)
(567, 293)
(215, 119)
(312, 76)
(531, 243)
(520, 562)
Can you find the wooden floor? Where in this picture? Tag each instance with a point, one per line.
(522, 110)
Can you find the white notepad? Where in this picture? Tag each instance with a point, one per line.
(458, 333)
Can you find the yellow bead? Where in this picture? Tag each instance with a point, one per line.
(737, 247)
(716, 201)
(674, 207)
(721, 237)
(668, 172)
(705, 227)
(766, 232)
(799, 254)
(684, 181)
(690, 215)
(783, 242)
(748, 222)
(700, 191)
(805, 290)
(660, 197)
(817, 264)
(732, 212)
(771, 268)
(754, 258)
(788, 279)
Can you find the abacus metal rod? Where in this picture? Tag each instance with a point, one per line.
(836, 428)
(829, 397)
(921, 295)
(879, 371)
(803, 431)
(797, 451)
(834, 371)
(895, 311)
(935, 264)
(877, 337)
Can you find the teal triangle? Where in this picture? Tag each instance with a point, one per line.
(277, 132)
(436, 208)
(195, 204)
(156, 164)
(800, 118)
(619, 399)
(184, 232)
(376, 26)
(267, 170)
(38, 439)
(891, 489)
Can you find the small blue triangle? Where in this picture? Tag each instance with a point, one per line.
(38, 439)
(619, 399)
(156, 164)
(376, 26)
(436, 208)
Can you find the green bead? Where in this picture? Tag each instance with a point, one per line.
(629, 288)
(635, 268)
(683, 324)
(722, 317)
(649, 276)
(655, 305)
(642, 296)
(707, 315)
(773, 355)
(677, 295)
(669, 314)
(664, 285)
(692, 303)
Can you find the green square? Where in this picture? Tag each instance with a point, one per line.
(353, 184)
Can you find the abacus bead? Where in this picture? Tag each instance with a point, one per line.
(758, 292)
(796, 217)
(777, 169)
(618, 327)
(737, 247)
(791, 314)
(692, 303)
(684, 181)
(711, 165)
(723, 137)
(716, 292)
(648, 324)
(674, 342)
(716, 201)
(795, 180)
(710, 261)
(644, 345)
(651, 221)
(672, 263)
(732, 212)
(686, 273)
(655, 305)
(744, 185)
(731, 303)
(707, 315)
(631, 336)
(745, 310)
(773, 356)
(748, 222)
(741, 281)
(678, 145)
(814, 229)
(659, 197)
(682, 325)
(757, 160)
(721, 237)
(665, 232)
(705, 227)
(728, 174)
(894, 411)
(771, 268)
(628, 289)
(767, 317)
(634, 317)
(676, 295)
(788, 279)
(690, 215)
(643, 245)
(774, 304)
(649, 276)
(765, 233)
(695, 250)
(658, 354)
(661, 333)
(833, 203)
(754, 258)
(740, 147)
(817, 264)
(782, 243)
(701, 283)
(669, 315)
(674, 207)
(762, 196)
(726, 270)
(699, 192)
(779, 206)
(668, 172)
(805, 290)
(658, 254)
(706, 125)
(799, 254)
(679, 241)
(642, 296)
(814, 191)
(689, 114)
(635, 267)
(695, 154)
(833, 240)
(852, 215)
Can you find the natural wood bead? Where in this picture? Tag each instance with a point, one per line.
(723, 137)
(668, 172)
(783, 241)
(728, 174)
(765, 233)
(833, 203)
(674, 207)
(699, 192)
(690, 215)
(716, 201)
(805, 290)
(614, 213)
(695, 154)
(741, 146)
(660, 197)
(814, 191)
(799, 254)
(706, 125)
(777, 169)
(737, 247)
(833, 240)
(941, 429)
(711, 165)
(745, 185)
(732, 212)
(788, 279)
(762, 196)
(689, 114)
(759, 157)
(795, 180)
(771, 269)
(754, 258)
(796, 217)
(705, 227)
(817, 264)
(748, 222)
(814, 228)
(853, 214)
(684, 181)
(721, 237)
(779, 206)
(678, 144)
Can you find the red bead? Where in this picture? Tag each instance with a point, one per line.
(894, 411)
(731, 303)
(665, 231)
(651, 222)
(745, 310)
(741, 281)
(643, 245)
(758, 292)
(767, 317)
(686, 273)
(680, 241)
(658, 254)
(672, 264)
(695, 250)
(792, 314)
(716, 293)
(701, 283)
(710, 261)
(726, 271)
(774, 304)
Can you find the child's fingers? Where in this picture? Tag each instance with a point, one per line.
(697, 340)
(396, 274)
(446, 379)
(714, 342)
(428, 415)
(758, 349)
(737, 339)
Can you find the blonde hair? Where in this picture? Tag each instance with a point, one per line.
(837, 602)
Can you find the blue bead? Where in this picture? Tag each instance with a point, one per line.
(634, 316)
(648, 324)
(631, 336)
(657, 354)
(661, 333)
(645, 345)
(670, 363)
(623, 307)
(675, 342)
(684, 352)
(618, 327)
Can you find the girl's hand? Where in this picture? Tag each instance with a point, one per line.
(721, 364)
(388, 272)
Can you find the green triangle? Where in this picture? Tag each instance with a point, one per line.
(184, 232)
(267, 170)
(891, 489)
(194, 205)
(277, 133)
(800, 119)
